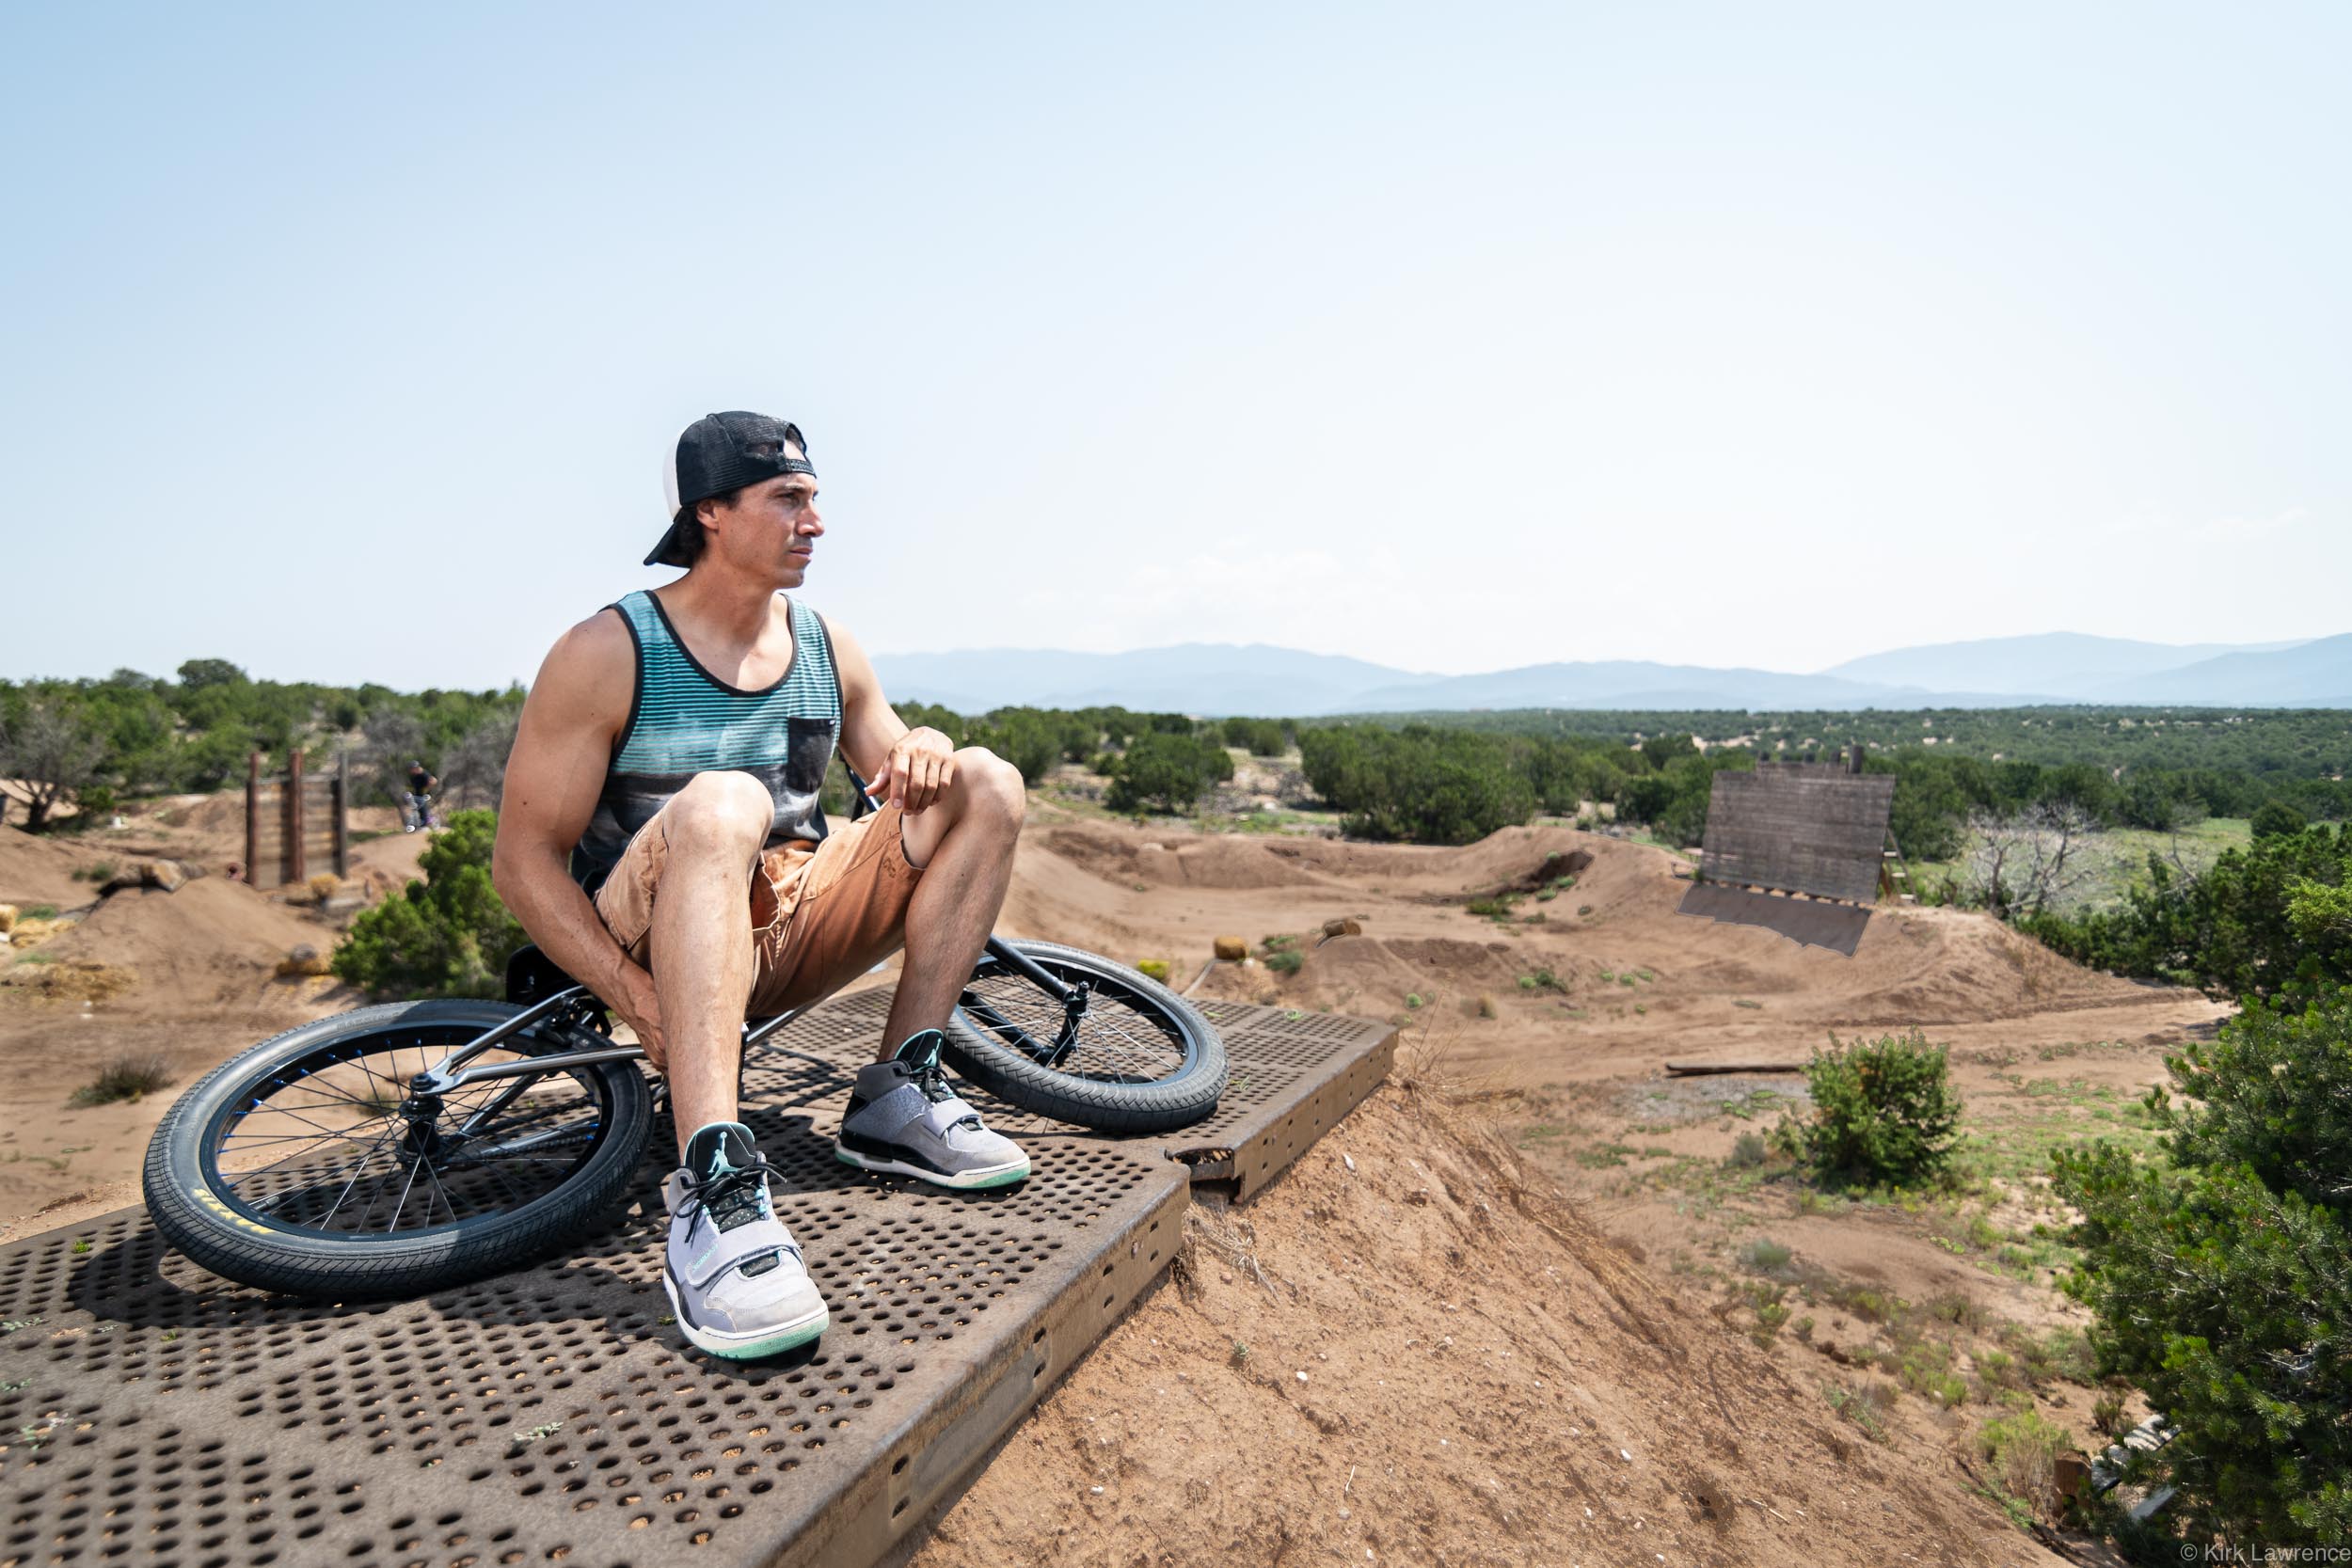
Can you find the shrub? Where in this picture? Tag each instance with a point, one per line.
(1747, 1151)
(1154, 968)
(1883, 1110)
(2231, 930)
(2222, 1286)
(448, 935)
(1170, 771)
(1418, 784)
(2021, 1451)
(2274, 819)
(124, 1078)
(1286, 961)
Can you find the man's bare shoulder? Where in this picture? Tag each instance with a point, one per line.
(591, 672)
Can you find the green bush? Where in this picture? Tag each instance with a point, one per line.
(2231, 930)
(2222, 1286)
(1261, 737)
(1883, 1111)
(448, 935)
(2273, 818)
(1418, 784)
(1285, 962)
(1170, 771)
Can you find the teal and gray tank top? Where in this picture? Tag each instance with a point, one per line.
(686, 721)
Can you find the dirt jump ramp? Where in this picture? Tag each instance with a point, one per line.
(163, 1415)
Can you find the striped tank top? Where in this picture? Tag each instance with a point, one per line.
(686, 721)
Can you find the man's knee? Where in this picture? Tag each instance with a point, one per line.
(719, 812)
(993, 787)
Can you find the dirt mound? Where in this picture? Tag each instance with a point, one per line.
(1427, 1357)
(212, 941)
(36, 870)
(1233, 862)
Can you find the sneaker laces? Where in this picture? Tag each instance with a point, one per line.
(735, 1195)
(931, 1079)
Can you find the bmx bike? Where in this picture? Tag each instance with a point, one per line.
(403, 1149)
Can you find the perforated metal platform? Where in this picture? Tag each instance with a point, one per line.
(152, 1413)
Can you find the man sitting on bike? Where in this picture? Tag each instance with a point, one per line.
(660, 840)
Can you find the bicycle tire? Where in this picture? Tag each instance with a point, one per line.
(1104, 1102)
(240, 1246)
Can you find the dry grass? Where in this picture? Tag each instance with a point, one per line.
(69, 982)
(124, 1078)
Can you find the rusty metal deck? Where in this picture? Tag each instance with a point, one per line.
(152, 1413)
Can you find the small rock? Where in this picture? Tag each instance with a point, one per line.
(1232, 948)
(304, 959)
(1348, 1160)
(8, 918)
(1341, 929)
(1301, 1376)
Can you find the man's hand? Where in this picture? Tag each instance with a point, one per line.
(640, 1009)
(921, 765)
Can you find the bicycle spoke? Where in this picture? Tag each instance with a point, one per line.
(340, 1156)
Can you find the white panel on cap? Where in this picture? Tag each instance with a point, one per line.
(669, 475)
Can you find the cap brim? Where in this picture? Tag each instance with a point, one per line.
(668, 552)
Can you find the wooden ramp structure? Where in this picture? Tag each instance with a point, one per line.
(1798, 847)
(554, 1415)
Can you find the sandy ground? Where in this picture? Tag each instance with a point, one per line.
(188, 977)
(1515, 1352)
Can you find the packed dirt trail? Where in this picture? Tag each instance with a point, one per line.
(186, 978)
(1610, 982)
(1492, 1371)
(1410, 1350)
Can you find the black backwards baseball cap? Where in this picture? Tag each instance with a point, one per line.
(717, 453)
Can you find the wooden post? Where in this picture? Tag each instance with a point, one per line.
(297, 872)
(253, 819)
(340, 798)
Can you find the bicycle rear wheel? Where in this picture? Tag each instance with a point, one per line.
(1136, 1058)
(308, 1165)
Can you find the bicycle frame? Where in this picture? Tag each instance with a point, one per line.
(453, 1072)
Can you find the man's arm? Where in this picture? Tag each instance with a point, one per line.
(562, 748)
(910, 766)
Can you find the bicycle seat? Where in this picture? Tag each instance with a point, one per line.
(532, 977)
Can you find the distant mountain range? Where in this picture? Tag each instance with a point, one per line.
(1218, 679)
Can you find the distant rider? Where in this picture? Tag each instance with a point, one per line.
(422, 785)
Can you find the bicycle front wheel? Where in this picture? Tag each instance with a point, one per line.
(308, 1165)
(1135, 1058)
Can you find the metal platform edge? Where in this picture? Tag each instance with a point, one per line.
(1254, 1154)
(929, 1461)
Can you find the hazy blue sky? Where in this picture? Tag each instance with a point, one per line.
(346, 342)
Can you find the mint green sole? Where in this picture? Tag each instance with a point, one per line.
(1003, 1179)
(791, 1339)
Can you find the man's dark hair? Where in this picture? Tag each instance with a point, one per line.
(692, 537)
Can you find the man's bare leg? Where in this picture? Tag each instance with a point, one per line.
(702, 940)
(964, 845)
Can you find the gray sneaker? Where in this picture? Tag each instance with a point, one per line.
(732, 1271)
(904, 1119)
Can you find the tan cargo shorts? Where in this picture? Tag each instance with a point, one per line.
(822, 915)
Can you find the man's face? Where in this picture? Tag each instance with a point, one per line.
(771, 530)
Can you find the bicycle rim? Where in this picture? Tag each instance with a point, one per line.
(1122, 1037)
(332, 1144)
